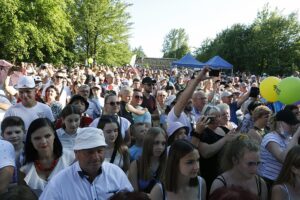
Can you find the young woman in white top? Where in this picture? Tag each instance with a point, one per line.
(181, 177)
(116, 151)
(288, 183)
(44, 155)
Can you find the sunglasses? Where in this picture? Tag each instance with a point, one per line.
(251, 163)
(138, 97)
(59, 77)
(114, 103)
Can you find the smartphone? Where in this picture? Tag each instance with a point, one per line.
(214, 72)
(254, 92)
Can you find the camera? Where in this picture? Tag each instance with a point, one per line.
(214, 72)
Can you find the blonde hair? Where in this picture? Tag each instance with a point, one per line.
(260, 111)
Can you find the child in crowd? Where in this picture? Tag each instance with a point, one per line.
(138, 131)
(70, 116)
(13, 130)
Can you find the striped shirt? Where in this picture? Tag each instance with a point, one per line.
(270, 166)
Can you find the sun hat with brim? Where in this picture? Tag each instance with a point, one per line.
(88, 138)
(25, 82)
(287, 116)
(77, 97)
(174, 126)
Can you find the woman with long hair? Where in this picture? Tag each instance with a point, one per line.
(149, 169)
(239, 163)
(116, 151)
(287, 185)
(44, 155)
(181, 177)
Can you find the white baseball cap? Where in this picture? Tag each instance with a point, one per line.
(88, 138)
(226, 94)
(25, 82)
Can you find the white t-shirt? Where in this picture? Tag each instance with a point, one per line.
(124, 123)
(7, 154)
(183, 118)
(40, 110)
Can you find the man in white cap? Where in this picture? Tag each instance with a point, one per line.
(28, 109)
(89, 177)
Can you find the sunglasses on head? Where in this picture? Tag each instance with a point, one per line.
(138, 97)
(114, 103)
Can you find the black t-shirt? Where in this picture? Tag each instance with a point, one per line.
(149, 103)
(210, 167)
(124, 113)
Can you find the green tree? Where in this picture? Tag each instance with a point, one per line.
(175, 44)
(102, 30)
(37, 30)
(270, 44)
(139, 52)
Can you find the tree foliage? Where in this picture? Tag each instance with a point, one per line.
(139, 52)
(65, 31)
(270, 44)
(175, 44)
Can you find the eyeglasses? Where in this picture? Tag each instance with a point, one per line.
(252, 163)
(138, 97)
(114, 103)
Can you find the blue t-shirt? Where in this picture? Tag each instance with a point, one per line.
(135, 152)
(233, 108)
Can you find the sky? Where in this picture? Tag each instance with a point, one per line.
(153, 19)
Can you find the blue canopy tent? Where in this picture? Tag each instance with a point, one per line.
(188, 61)
(217, 62)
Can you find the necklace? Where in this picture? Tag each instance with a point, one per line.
(40, 167)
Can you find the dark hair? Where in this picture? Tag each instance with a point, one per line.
(12, 121)
(126, 195)
(292, 159)
(178, 150)
(253, 105)
(20, 192)
(232, 193)
(291, 107)
(69, 110)
(31, 153)
(77, 97)
(56, 90)
(119, 143)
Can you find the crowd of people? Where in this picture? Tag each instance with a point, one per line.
(143, 133)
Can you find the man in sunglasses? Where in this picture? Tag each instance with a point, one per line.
(64, 91)
(149, 100)
(112, 108)
(136, 102)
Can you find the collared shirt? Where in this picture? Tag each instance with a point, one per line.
(70, 185)
(66, 139)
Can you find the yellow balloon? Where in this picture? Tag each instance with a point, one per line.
(268, 88)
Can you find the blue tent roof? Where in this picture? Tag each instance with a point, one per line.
(188, 61)
(218, 62)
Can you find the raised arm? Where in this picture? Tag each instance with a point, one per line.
(188, 91)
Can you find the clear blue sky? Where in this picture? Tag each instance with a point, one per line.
(201, 19)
